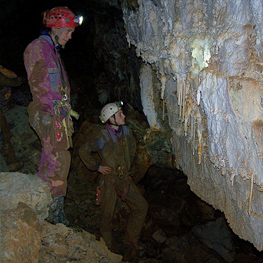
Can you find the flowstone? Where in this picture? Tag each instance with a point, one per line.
(202, 75)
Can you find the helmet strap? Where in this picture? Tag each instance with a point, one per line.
(115, 124)
(57, 39)
(57, 36)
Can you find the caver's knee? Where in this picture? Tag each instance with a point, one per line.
(64, 157)
(145, 205)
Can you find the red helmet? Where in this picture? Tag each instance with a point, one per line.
(60, 16)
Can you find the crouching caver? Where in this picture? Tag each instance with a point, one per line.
(116, 147)
(50, 111)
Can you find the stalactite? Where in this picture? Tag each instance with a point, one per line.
(199, 131)
(232, 178)
(192, 127)
(163, 108)
(163, 82)
(188, 115)
(199, 150)
(194, 123)
(179, 94)
(250, 194)
(128, 40)
(183, 99)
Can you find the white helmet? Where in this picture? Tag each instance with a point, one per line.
(109, 110)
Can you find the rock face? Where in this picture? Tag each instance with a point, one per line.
(202, 75)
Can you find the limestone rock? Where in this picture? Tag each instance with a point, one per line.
(20, 240)
(216, 236)
(26, 188)
(63, 243)
(23, 238)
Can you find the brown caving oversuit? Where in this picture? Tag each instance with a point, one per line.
(117, 152)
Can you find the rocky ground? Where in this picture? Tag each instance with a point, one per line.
(180, 227)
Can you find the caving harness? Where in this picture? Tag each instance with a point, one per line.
(62, 110)
(120, 179)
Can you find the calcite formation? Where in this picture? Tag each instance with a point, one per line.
(202, 74)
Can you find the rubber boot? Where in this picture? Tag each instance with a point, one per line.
(130, 253)
(61, 215)
(107, 237)
(56, 211)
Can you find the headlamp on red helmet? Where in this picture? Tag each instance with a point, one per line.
(61, 17)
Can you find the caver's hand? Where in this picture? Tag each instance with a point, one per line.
(104, 169)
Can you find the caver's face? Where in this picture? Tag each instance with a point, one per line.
(119, 118)
(65, 34)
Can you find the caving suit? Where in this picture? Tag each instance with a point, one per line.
(116, 150)
(49, 112)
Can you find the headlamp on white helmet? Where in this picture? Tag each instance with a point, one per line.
(109, 110)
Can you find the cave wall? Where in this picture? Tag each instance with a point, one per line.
(116, 65)
(202, 74)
